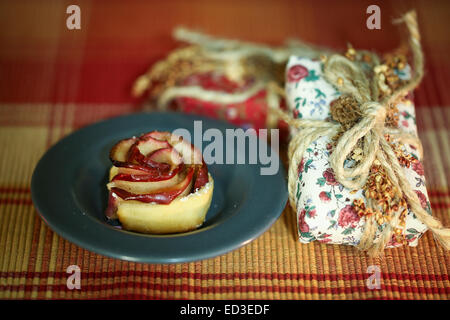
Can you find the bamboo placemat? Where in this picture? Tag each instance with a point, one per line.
(33, 259)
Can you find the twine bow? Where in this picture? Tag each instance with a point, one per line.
(351, 80)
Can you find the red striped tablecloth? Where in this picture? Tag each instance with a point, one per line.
(54, 81)
(33, 259)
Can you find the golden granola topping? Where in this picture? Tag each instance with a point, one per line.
(392, 116)
(386, 73)
(404, 158)
(385, 200)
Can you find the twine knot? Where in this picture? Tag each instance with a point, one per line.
(375, 110)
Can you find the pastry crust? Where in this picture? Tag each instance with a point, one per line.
(158, 184)
(181, 215)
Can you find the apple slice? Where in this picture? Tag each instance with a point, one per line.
(152, 184)
(140, 167)
(111, 210)
(147, 176)
(152, 174)
(201, 177)
(148, 144)
(120, 156)
(163, 195)
(119, 152)
(140, 150)
(156, 140)
(166, 155)
(130, 171)
(189, 153)
(158, 135)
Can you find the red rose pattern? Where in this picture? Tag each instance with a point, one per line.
(296, 73)
(348, 217)
(324, 197)
(329, 146)
(301, 166)
(302, 225)
(325, 238)
(418, 168)
(329, 177)
(422, 198)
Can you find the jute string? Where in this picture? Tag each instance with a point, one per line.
(370, 129)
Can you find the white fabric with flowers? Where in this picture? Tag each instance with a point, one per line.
(325, 210)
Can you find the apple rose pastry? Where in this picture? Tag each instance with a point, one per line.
(159, 184)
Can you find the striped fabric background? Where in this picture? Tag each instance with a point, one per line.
(54, 81)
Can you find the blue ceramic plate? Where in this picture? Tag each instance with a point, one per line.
(69, 191)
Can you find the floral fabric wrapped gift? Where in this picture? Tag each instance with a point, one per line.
(355, 175)
(326, 210)
(250, 113)
(217, 78)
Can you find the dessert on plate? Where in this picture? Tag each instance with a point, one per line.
(158, 184)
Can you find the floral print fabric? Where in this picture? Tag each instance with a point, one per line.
(325, 207)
